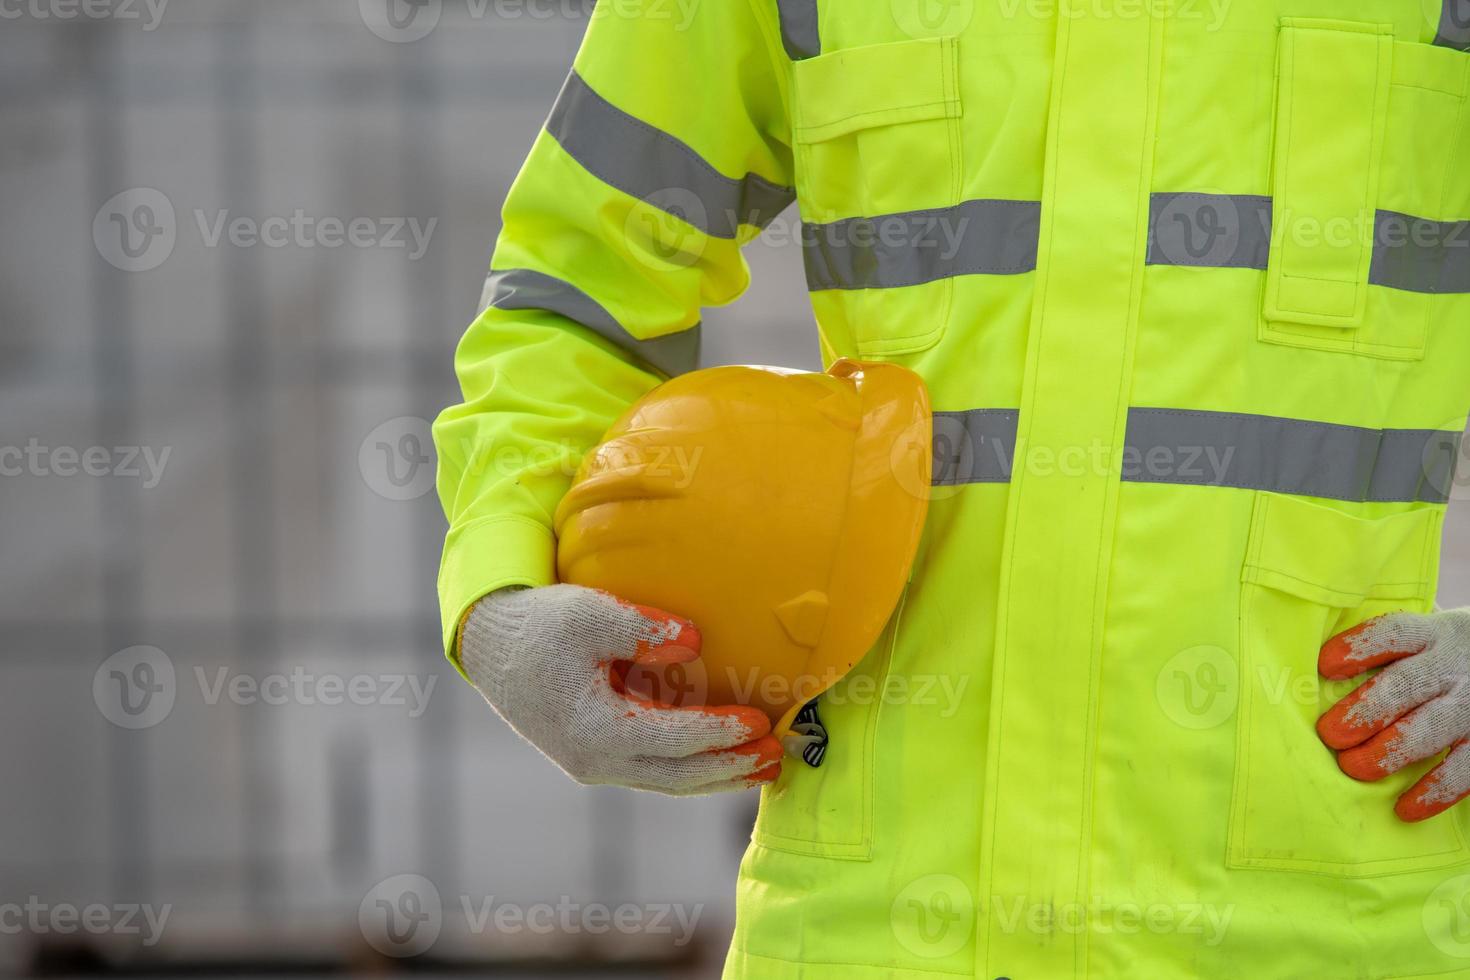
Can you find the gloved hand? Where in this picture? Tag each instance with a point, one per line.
(1414, 708)
(552, 662)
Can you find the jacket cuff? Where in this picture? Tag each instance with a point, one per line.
(485, 555)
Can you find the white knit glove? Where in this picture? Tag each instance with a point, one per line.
(1415, 708)
(552, 660)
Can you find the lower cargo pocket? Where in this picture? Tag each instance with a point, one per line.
(1310, 572)
(828, 810)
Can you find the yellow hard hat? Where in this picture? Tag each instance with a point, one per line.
(779, 510)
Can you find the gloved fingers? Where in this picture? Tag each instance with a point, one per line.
(629, 725)
(1422, 733)
(664, 638)
(766, 775)
(759, 778)
(1441, 788)
(667, 655)
(755, 762)
(1381, 640)
(645, 634)
(1380, 701)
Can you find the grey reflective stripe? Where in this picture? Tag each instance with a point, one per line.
(1225, 231)
(1314, 459)
(649, 164)
(912, 247)
(1233, 231)
(799, 34)
(1454, 25)
(526, 289)
(1420, 255)
(975, 446)
(1226, 449)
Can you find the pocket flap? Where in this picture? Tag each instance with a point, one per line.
(1431, 67)
(1326, 556)
(876, 85)
(1332, 98)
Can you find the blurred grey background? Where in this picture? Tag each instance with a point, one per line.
(232, 743)
(274, 538)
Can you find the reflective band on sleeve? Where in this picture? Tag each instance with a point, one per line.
(1313, 459)
(1233, 231)
(1454, 25)
(1222, 449)
(651, 165)
(908, 248)
(526, 289)
(799, 34)
(976, 446)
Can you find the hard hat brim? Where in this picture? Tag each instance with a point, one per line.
(884, 519)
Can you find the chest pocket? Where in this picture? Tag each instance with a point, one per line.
(878, 163)
(1367, 177)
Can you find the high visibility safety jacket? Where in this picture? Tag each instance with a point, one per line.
(1189, 282)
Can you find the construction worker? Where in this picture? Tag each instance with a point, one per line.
(1189, 286)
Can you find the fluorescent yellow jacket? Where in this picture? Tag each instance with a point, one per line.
(1189, 283)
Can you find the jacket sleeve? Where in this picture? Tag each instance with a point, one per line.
(667, 149)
